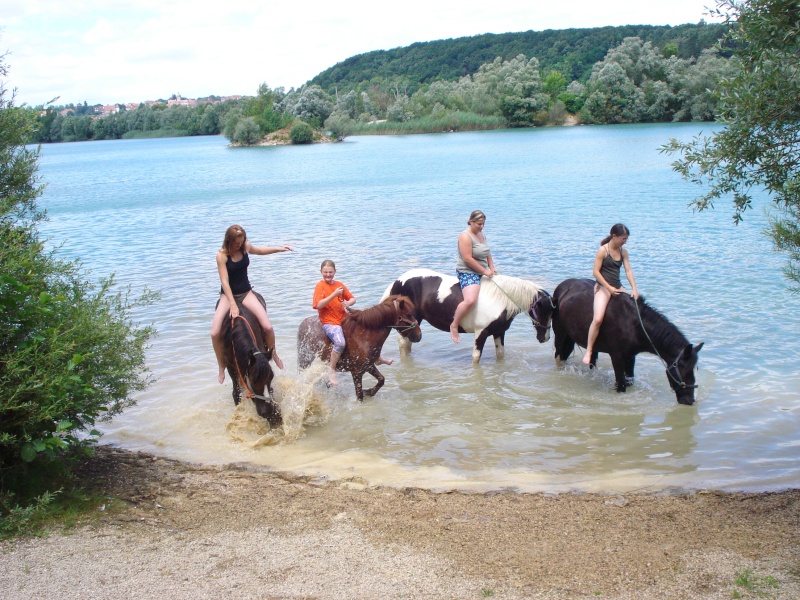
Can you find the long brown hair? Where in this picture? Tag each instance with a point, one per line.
(231, 234)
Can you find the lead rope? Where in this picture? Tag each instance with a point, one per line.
(668, 367)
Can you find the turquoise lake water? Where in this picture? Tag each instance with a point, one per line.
(154, 212)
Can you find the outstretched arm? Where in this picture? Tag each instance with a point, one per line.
(263, 250)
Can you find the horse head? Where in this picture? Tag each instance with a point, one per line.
(680, 374)
(253, 368)
(406, 323)
(541, 313)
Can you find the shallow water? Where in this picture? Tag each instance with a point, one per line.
(154, 212)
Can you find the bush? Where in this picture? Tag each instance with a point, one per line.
(247, 132)
(302, 133)
(70, 353)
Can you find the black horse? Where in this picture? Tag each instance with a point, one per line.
(247, 360)
(629, 327)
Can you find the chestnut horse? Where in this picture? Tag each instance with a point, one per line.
(365, 331)
(247, 360)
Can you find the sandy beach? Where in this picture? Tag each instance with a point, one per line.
(180, 530)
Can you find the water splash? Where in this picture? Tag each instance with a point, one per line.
(301, 405)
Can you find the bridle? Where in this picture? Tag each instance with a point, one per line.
(403, 323)
(675, 380)
(532, 312)
(244, 381)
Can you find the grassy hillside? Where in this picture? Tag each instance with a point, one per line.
(570, 51)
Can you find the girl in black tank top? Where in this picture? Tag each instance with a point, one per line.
(233, 259)
(606, 273)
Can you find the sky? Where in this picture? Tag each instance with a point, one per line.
(121, 51)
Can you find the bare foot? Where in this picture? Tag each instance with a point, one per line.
(454, 334)
(277, 360)
(587, 358)
(332, 379)
(384, 361)
(221, 376)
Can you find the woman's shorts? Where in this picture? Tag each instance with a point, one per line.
(465, 279)
(335, 335)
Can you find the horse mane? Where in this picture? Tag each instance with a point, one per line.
(515, 293)
(375, 317)
(659, 328)
(243, 345)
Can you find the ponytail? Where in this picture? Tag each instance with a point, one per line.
(618, 229)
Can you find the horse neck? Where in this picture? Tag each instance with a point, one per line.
(517, 293)
(665, 339)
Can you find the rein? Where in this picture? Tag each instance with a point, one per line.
(678, 381)
(250, 393)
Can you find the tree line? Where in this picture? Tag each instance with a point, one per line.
(636, 81)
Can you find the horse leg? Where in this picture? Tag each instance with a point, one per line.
(629, 365)
(593, 361)
(499, 345)
(373, 370)
(619, 362)
(477, 348)
(404, 344)
(564, 348)
(357, 375)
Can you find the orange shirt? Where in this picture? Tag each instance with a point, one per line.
(334, 312)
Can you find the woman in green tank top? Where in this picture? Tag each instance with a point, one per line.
(610, 257)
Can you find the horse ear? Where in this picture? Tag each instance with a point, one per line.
(698, 347)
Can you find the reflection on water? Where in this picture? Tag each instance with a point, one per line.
(154, 211)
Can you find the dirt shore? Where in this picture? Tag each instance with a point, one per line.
(189, 531)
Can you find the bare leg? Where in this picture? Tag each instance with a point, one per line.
(334, 359)
(252, 303)
(601, 298)
(470, 298)
(384, 361)
(223, 311)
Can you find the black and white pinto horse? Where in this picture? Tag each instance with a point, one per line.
(629, 327)
(436, 296)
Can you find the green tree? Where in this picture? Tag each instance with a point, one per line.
(69, 351)
(759, 146)
(247, 132)
(302, 133)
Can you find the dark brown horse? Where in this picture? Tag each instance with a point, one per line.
(247, 360)
(629, 327)
(365, 331)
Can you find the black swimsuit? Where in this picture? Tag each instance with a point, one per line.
(237, 276)
(610, 269)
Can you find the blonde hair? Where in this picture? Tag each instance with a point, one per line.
(327, 263)
(231, 235)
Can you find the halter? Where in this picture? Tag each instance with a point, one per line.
(404, 324)
(250, 393)
(532, 312)
(677, 381)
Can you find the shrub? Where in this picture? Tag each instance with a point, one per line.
(247, 132)
(302, 133)
(70, 353)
